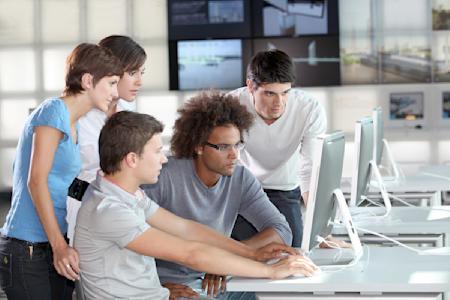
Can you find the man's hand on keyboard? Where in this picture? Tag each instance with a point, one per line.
(273, 250)
(293, 265)
(213, 283)
(180, 291)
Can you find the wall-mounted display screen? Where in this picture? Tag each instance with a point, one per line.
(441, 56)
(294, 18)
(446, 105)
(441, 15)
(316, 58)
(204, 64)
(202, 19)
(406, 106)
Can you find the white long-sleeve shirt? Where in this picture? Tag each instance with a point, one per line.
(280, 154)
(90, 126)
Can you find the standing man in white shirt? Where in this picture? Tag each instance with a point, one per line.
(279, 146)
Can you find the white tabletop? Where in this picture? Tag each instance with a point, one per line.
(402, 220)
(381, 270)
(415, 183)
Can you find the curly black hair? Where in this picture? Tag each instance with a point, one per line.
(200, 115)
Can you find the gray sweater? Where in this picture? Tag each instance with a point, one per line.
(181, 191)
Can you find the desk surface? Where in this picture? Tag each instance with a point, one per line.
(438, 171)
(380, 270)
(403, 220)
(415, 183)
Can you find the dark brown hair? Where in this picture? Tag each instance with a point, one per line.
(200, 115)
(125, 132)
(92, 59)
(272, 66)
(131, 55)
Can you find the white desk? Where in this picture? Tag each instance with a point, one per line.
(420, 184)
(418, 222)
(383, 272)
(442, 171)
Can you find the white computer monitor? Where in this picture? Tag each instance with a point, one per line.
(325, 195)
(378, 134)
(380, 146)
(365, 167)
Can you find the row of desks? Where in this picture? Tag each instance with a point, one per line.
(383, 272)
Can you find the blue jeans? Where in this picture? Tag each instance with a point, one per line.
(27, 272)
(288, 203)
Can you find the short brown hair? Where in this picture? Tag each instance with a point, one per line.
(200, 115)
(131, 55)
(125, 132)
(271, 66)
(92, 59)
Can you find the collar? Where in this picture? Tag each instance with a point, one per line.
(109, 188)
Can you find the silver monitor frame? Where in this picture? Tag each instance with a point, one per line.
(325, 195)
(365, 166)
(380, 145)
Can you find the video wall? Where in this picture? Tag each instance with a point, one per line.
(331, 42)
(212, 41)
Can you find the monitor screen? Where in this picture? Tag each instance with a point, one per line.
(378, 134)
(446, 105)
(363, 155)
(325, 179)
(406, 106)
(293, 18)
(316, 58)
(202, 19)
(206, 64)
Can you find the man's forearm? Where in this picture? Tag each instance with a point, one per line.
(204, 234)
(263, 238)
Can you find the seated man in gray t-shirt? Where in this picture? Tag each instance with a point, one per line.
(203, 182)
(120, 231)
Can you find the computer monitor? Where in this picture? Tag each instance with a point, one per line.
(325, 195)
(381, 145)
(208, 19)
(378, 134)
(205, 64)
(365, 166)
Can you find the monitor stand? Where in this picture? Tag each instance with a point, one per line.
(396, 174)
(366, 213)
(325, 257)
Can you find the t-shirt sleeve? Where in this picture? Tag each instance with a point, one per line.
(116, 222)
(151, 208)
(259, 211)
(52, 114)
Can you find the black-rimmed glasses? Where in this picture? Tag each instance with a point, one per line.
(225, 147)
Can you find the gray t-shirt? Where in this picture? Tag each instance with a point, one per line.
(108, 220)
(181, 191)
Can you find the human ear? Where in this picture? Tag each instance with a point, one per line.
(131, 160)
(87, 81)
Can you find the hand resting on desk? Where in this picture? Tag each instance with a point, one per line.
(274, 250)
(308, 269)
